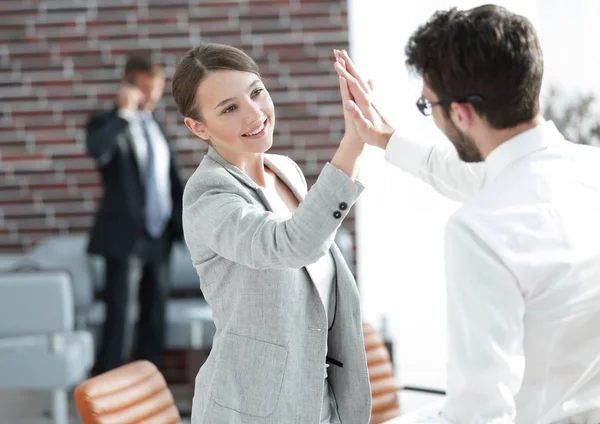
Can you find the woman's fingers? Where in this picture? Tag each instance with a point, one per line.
(344, 90)
(363, 125)
(356, 92)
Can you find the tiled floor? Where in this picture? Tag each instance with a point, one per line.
(28, 407)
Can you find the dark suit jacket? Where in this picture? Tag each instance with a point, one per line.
(119, 225)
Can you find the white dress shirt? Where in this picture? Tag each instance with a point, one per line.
(523, 277)
(162, 156)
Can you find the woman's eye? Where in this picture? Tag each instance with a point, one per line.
(257, 92)
(229, 109)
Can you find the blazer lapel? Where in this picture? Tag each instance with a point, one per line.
(281, 166)
(287, 172)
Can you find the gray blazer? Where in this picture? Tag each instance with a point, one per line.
(268, 357)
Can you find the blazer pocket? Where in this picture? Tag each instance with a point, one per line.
(249, 375)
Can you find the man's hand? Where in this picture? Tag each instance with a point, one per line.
(370, 124)
(129, 97)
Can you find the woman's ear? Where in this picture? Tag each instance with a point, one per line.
(198, 128)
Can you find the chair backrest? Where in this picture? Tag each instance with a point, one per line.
(35, 303)
(384, 389)
(133, 393)
(67, 252)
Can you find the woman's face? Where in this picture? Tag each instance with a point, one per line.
(237, 112)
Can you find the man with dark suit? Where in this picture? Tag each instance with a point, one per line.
(140, 213)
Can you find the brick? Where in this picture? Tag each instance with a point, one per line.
(57, 28)
(15, 16)
(55, 196)
(111, 16)
(105, 87)
(76, 218)
(43, 123)
(71, 166)
(23, 210)
(64, 37)
(114, 3)
(32, 236)
(24, 50)
(29, 223)
(53, 6)
(45, 24)
(24, 157)
(170, 4)
(213, 8)
(260, 12)
(8, 6)
(90, 61)
(160, 18)
(203, 18)
(63, 15)
(119, 35)
(112, 23)
(78, 223)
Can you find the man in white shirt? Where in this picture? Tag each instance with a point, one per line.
(523, 252)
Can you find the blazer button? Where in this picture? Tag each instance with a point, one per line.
(343, 206)
(337, 214)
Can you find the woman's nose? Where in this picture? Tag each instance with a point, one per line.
(254, 113)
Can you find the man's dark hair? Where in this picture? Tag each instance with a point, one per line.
(486, 51)
(141, 64)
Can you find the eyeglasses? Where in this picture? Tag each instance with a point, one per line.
(425, 106)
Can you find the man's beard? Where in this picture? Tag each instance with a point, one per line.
(465, 146)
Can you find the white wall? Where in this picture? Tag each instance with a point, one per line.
(400, 220)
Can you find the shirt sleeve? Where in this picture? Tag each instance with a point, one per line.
(128, 115)
(485, 330)
(438, 166)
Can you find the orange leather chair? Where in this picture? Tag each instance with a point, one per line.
(384, 389)
(134, 393)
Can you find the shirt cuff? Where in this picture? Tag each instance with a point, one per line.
(128, 115)
(407, 154)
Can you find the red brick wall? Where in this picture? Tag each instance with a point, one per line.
(61, 59)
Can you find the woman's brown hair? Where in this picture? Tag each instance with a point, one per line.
(195, 66)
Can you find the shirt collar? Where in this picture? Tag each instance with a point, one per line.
(523, 144)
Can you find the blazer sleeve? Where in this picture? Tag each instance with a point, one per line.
(227, 222)
(102, 135)
(301, 174)
(438, 166)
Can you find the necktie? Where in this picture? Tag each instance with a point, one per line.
(155, 210)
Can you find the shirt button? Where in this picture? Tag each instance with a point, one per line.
(343, 206)
(337, 214)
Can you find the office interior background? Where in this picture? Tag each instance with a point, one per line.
(62, 59)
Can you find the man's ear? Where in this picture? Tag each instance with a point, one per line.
(198, 128)
(462, 114)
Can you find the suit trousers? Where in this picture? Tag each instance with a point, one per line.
(146, 275)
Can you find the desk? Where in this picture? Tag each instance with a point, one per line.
(427, 413)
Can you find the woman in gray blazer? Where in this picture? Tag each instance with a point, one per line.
(289, 347)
